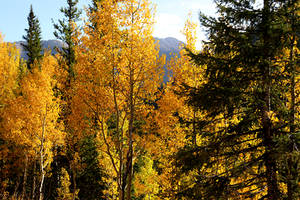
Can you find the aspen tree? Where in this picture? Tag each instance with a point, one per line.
(118, 70)
(9, 71)
(31, 118)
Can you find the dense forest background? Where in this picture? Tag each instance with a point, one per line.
(106, 116)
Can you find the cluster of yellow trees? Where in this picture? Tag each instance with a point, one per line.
(29, 115)
(116, 94)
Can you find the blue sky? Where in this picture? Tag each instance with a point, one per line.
(170, 16)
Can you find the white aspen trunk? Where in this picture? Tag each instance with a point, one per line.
(42, 156)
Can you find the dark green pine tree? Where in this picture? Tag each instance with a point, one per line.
(32, 44)
(243, 76)
(90, 179)
(290, 142)
(65, 32)
(94, 6)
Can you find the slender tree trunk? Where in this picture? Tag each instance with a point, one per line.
(131, 118)
(42, 174)
(15, 196)
(74, 183)
(42, 156)
(291, 175)
(194, 129)
(130, 143)
(120, 146)
(25, 178)
(42, 183)
(272, 185)
(268, 134)
(121, 189)
(34, 181)
(129, 180)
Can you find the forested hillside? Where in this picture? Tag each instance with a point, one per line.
(95, 118)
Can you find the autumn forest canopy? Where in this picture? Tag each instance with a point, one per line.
(97, 121)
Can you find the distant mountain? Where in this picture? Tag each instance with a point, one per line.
(168, 46)
(46, 44)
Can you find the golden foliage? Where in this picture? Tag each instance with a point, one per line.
(31, 118)
(64, 190)
(118, 70)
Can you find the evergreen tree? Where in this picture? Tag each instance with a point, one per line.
(244, 103)
(90, 178)
(94, 6)
(65, 32)
(32, 44)
(289, 167)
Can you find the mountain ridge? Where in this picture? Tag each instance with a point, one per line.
(167, 46)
